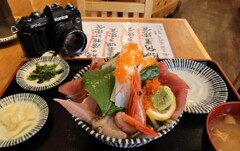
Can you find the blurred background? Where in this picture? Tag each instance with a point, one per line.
(217, 25)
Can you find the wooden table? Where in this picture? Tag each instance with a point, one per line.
(61, 132)
(182, 38)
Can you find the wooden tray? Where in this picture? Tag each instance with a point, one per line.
(61, 132)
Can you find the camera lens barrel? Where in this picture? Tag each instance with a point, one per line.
(70, 39)
(75, 43)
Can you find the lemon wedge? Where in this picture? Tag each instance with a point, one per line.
(164, 104)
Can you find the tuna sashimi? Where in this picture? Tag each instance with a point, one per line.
(170, 79)
(85, 111)
(177, 85)
(181, 97)
(74, 89)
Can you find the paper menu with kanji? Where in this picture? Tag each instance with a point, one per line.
(105, 39)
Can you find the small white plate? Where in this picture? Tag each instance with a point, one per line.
(43, 110)
(29, 66)
(9, 38)
(207, 88)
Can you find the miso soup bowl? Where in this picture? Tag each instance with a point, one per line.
(221, 109)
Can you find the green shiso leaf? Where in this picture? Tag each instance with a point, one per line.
(149, 73)
(99, 84)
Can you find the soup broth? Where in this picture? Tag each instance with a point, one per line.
(225, 132)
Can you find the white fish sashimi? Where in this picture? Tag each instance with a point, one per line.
(121, 93)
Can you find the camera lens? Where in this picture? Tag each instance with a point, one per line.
(74, 42)
(70, 39)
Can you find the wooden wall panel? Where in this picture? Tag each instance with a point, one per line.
(64, 2)
(21, 7)
(38, 5)
(25, 7)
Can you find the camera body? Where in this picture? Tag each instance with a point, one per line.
(56, 28)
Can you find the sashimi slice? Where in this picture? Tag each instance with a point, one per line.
(181, 97)
(170, 79)
(84, 111)
(96, 63)
(74, 90)
(177, 85)
(121, 93)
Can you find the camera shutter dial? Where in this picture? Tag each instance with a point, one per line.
(26, 19)
(36, 15)
(70, 7)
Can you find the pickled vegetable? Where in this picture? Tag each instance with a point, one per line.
(44, 73)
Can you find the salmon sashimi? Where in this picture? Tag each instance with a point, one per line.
(74, 89)
(177, 85)
(85, 111)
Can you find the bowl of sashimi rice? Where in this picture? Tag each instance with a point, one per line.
(125, 101)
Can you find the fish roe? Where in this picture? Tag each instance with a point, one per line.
(149, 89)
(129, 60)
(148, 62)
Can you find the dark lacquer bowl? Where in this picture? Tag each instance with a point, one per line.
(232, 108)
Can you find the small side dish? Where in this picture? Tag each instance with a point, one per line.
(207, 88)
(17, 119)
(21, 116)
(223, 126)
(42, 73)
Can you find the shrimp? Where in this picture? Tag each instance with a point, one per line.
(124, 126)
(135, 103)
(125, 121)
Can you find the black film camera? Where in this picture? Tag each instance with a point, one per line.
(56, 28)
